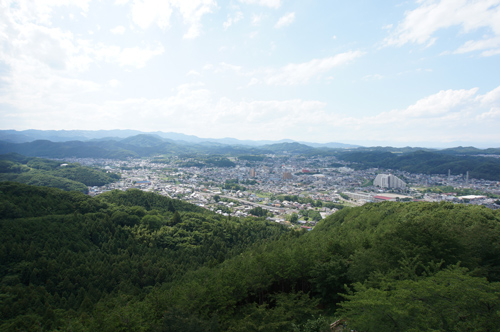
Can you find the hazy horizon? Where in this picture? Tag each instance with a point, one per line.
(437, 145)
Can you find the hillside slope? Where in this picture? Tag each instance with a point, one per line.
(141, 262)
(52, 173)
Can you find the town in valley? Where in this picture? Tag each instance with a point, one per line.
(290, 189)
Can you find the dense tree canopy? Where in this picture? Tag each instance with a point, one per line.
(65, 253)
(136, 261)
(51, 173)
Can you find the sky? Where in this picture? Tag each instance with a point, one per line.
(417, 73)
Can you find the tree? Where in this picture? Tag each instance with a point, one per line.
(170, 206)
(344, 196)
(176, 319)
(124, 219)
(176, 219)
(258, 212)
(152, 222)
(450, 300)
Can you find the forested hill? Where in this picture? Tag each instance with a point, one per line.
(52, 173)
(132, 261)
(140, 146)
(65, 255)
(426, 162)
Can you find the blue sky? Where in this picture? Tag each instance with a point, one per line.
(418, 73)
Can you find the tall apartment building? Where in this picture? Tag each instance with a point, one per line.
(388, 181)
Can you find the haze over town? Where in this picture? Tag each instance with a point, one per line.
(418, 73)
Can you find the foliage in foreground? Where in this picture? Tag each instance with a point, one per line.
(131, 261)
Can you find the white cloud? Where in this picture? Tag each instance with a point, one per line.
(114, 83)
(491, 98)
(440, 104)
(44, 63)
(228, 67)
(253, 81)
(492, 114)
(40, 11)
(192, 12)
(491, 52)
(449, 115)
(431, 111)
(256, 19)
(231, 20)
(25, 38)
(39, 93)
(300, 73)
(48, 64)
(193, 73)
(148, 12)
(285, 20)
(137, 57)
(192, 109)
(421, 24)
(372, 77)
(267, 3)
(291, 74)
(491, 45)
(130, 56)
(119, 30)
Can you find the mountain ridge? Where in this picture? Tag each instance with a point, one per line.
(24, 136)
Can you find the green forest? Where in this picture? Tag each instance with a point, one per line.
(426, 162)
(52, 173)
(137, 261)
(143, 145)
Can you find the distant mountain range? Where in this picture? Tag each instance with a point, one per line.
(132, 143)
(24, 136)
(143, 145)
(120, 144)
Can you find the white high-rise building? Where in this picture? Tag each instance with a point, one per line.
(388, 181)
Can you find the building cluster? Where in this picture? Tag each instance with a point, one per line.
(265, 183)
